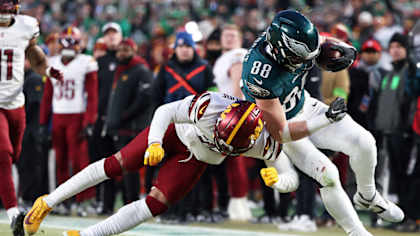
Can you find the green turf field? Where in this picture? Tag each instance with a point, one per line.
(54, 226)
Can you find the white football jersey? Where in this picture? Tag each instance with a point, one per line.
(13, 42)
(69, 96)
(195, 118)
(222, 66)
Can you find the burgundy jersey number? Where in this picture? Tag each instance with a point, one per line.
(66, 89)
(9, 62)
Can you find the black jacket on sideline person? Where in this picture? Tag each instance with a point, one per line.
(197, 73)
(33, 163)
(107, 66)
(131, 105)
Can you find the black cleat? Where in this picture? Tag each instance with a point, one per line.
(17, 225)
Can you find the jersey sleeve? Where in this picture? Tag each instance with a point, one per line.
(188, 110)
(259, 88)
(31, 26)
(91, 64)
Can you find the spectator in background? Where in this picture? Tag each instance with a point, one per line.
(213, 47)
(33, 162)
(227, 71)
(362, 103)
(101, 144)
(185, 74)
(130, 109)
(99, 50)
(52, 45)
(394, 117)
(73, 103)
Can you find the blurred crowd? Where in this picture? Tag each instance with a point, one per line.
(153, 43)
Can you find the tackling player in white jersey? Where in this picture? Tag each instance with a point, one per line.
(18, 35)
(193, 132)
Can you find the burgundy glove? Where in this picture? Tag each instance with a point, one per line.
(55, 73)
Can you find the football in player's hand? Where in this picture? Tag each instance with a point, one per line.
(329, 52)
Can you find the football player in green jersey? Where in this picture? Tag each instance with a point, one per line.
(274, 73)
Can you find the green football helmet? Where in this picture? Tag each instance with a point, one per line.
(293, 38)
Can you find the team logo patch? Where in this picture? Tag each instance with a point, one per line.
(256, 90)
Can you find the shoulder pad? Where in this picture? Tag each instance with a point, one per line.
(198, 106)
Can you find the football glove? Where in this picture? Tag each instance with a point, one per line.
(54, 73)
(154, 154)
(337, 110)
(348, 55)
(269, 176)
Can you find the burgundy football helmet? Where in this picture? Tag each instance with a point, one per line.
(69, 40)
(238, 127)
(8, 8)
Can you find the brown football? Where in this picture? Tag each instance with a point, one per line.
(328, 52)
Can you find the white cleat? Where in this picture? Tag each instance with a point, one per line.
(385, 209)
(300, 224)
(304, 224)
(360, 232)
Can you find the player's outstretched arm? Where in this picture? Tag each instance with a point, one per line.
(280, 174)
(283, 131)
(38, 61)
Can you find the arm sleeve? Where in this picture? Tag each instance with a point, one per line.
(288, 177)
(174, 112)
(143, 97)
(91, 88)
(46, 103)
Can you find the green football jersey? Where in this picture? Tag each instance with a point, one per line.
(264, 78)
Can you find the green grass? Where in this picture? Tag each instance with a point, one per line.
(54, 226)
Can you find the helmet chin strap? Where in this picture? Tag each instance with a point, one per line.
(5, 18)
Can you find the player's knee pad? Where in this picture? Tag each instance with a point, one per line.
(156, 207)
(364, 149)
(329, 177)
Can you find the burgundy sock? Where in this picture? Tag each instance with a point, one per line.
(112, 167)
(156, 207)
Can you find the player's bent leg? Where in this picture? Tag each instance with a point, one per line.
(88, 177)
(305, 156)
(352, 139)
(126, 218)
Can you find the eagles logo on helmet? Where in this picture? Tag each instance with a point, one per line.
(8, 8)
(292, 38)
(238, 127)
(69, 40)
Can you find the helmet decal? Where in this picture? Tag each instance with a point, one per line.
(297, 47)
(240, 122)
